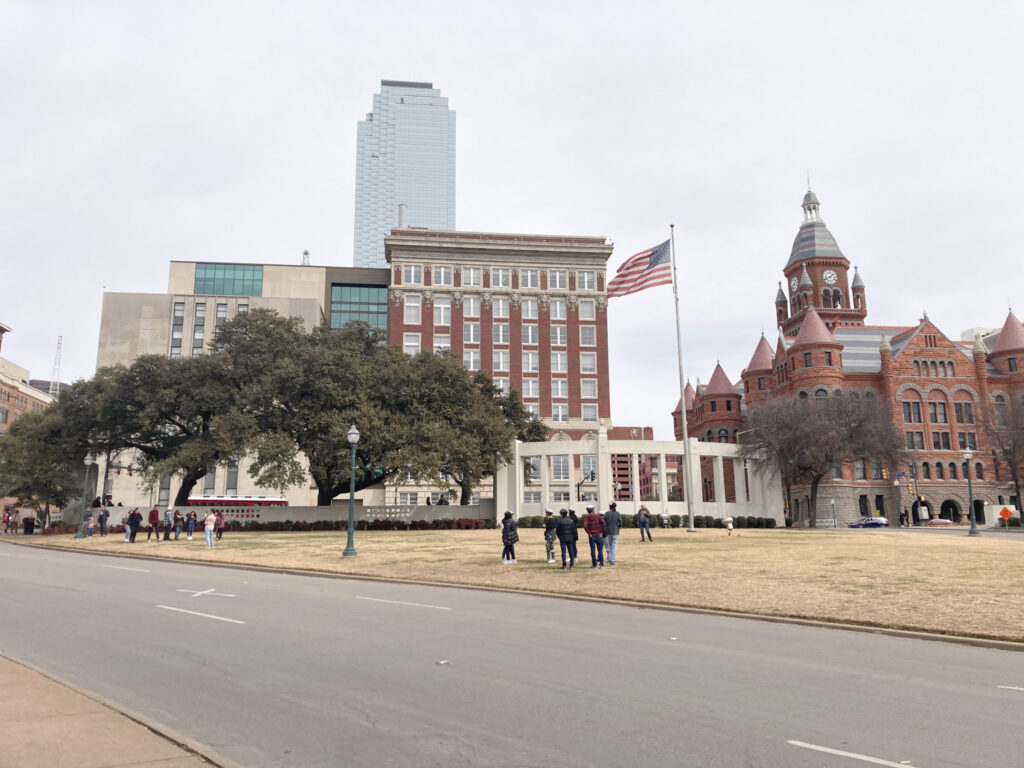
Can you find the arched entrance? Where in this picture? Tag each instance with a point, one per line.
(979, 511)
(920, 512)
(950, 510)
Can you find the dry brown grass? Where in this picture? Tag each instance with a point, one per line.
(917, 580)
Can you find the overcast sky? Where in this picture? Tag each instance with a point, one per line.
(133, 133)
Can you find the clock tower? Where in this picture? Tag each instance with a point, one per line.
(817, 276)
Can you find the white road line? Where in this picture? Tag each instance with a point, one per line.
(1010, 688)
(204, 615)
(213, 592)
(399, 602)
(122, 568)
(852, 755)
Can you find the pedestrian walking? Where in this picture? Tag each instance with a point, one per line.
(104, 516)
(612, 525)
(565, 531)
(220, 525)
(179, 520)
(154, 524)
(192, 520)
(643, 522)
(509, 537)
(167, 523)
(593, 524)
(210, 525)
(15, 520)
(7, 521)
(550, 523)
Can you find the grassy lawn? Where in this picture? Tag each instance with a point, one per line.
(918, 580)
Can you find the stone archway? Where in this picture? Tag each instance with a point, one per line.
(950, 510)
(979, 511)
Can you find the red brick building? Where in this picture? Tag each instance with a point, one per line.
(940, 390)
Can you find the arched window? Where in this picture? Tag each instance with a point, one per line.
(710, 437)
(950, 368)
(979, 471)
(938, 471)
(935, 369)
(917, 367)
(803, 395)
(723, 435)
(942, 369)
(826, 299)
(952, 471)
(926, 471)
(820, 393)
(1000, 407)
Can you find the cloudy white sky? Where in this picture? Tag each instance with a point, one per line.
(137, 132)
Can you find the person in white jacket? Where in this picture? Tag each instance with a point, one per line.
(210, 524)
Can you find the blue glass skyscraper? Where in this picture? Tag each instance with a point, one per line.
(405, 153)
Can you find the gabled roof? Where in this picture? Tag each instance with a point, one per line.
(763, 356)
(813, 330)
(719, 384)
(1011, 338)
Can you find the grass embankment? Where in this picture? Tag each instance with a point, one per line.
(917, 580)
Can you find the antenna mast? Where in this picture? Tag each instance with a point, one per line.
(55, 375)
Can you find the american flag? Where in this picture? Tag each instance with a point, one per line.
(645, 270)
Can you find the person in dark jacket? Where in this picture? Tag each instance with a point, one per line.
(612, 525)
(549, 534)
(134, 523)
(565, 531)
(643, 522)
(593, 524)
(509, 537)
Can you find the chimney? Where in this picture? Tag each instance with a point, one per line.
(403, 216)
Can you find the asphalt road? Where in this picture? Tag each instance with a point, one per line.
(281, 670)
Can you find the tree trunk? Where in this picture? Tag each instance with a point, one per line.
(188, 482)
(465, 493)
(813, 512)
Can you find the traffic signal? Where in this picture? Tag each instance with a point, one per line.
(910, 485)
(885, 473)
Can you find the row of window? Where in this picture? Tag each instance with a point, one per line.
(501, 277)
(229, 280)
(938, 412)
(560, 468)
(940, 471)
(529, 309)
(198, 325)
(941, 441)
(501, 333)
(934, 368)
(501, 359)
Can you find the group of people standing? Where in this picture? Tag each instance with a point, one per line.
(174, 521)
(602, 534)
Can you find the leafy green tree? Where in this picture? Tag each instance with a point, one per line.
(40, 464)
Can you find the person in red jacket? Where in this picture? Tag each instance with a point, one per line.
(154, 524)
(593, 524)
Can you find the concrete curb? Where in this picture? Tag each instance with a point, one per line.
(179, 739)
(977, 642)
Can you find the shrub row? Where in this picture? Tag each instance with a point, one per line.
(1013, 522)
(674, 521)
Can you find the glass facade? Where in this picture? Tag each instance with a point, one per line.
(229, 280)
(405, 153)
(368, 303)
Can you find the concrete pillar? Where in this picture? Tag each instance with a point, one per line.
(634, 467)
(605, 492)
(719, 477)
(662, 483)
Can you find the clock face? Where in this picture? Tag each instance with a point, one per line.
(793, 283)
(830, 276)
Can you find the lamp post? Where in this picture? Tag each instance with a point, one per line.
(970, 493)
(88, 461)
(353, 438)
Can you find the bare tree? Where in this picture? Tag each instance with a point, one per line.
(1004, 427)
(803, 439)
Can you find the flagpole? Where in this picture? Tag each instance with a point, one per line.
(687, 484)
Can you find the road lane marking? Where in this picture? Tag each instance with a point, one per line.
(204, 615)
(400, 602)
(213, 592)
(122, 568)
(1010, 687)
(852, 755)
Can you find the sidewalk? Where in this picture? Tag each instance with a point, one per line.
(50, 725)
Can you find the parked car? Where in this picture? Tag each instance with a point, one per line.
(940, 521)
(871, 522)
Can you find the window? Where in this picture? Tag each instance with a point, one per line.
(876, 470)
(979, 471)
(501, 278)
(560, 496)
(529, 278)
(1000, 408)
(1012, 362)
(163, 496)
(408, 498)
(714, 406)
(200, 313)
(529, 334)
(363, 303)
(859, 470)
(412, 274)
(952, 471)
(531, 497)
(528, 308)
(937, 413)
(723, 435)
(964, 413)
(442, 276)
(820, 394)
(559, 362)
(411, 343)
(471, 333)
(471, 306)
(531, 465)
(590, 413)
(588, 362)
(967, 440)
(209, 480)
(560, 413)
(807, 359)
(228, 280)
(471, 359)
(939, 474)
(500, 333)
(912, 412)
(558, 335)
(588, 336)
(586, 281)
(502, 385)
(588, 466)
(586, 309)
(588, 388)
(926, 471)
(499, 307)
(412, 310)
(559, 467)
(222, 314)
(828, 358)
(531, 362)
(502, 359)
(556, 309)
(915, 440)
(243, 308)
(442, 310)
(557, 279)
(940, 441)
(442, 342)
(3, 415)
(559, 388)
(471, 276)
(531, 388)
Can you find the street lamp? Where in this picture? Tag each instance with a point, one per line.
(353, 438)
(88, 461)
(970, 494)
